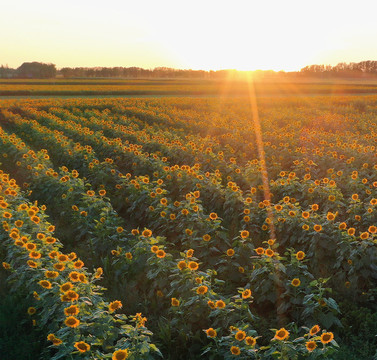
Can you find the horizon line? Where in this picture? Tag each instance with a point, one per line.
(185, 69)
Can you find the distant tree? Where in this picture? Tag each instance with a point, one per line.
(6, 72)
(36, 70)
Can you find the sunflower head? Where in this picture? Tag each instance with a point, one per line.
(211, 332)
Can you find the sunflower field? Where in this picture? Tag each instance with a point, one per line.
(190, 228)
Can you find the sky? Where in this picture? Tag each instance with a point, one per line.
(245, 35)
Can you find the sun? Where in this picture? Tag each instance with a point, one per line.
(243, 42)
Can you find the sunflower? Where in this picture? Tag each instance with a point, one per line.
(372, 229)
(300, 255)
(72, 256)
(35, 219)
(31, 310)
(190, 253)
(147, 233)
(230, 252)
(7, 215)
(120, 355)
(211, 304)
(30, 246)
(74, 276)
(364, 235)
(115, 305)
(174, 302)
(66, 287)
(23, 207)
(181, 265)
(220, 304)
(72, 295)
(281, 334)
(154, 248)
(212, 333)
(45, 283)
(72, 322)
(249, 340)
(65, 298)
(51, 274)
(295, 282)
(50, 240)
(311, 345)
(213, 216)
(63, 258)
(317, 228)
(98, 273)
(35, 254)
(71, 310)
(206, 237)
(19, 243)
(330, 216)
(327, 337)
(32, 264)
(19, 223)
(351, 231)
(201, 289)
(270, 252)
(41, 236)
(271, 242)
(192, 265)
(83, 279)
(78, 264)
(160, 253)
(240, 335)
(57, 342)
(259, 251)
(82, 346)
(246, 294)
(342, 226)
(53, 254)
(314, 330)
(51, 337)
(235, 350)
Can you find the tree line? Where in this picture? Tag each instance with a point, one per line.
(37, 70)
(30, 70)
(342, 69)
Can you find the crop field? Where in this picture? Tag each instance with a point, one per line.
(183, 87)
(188, 227)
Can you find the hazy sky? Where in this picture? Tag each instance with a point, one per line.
(203, 34)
